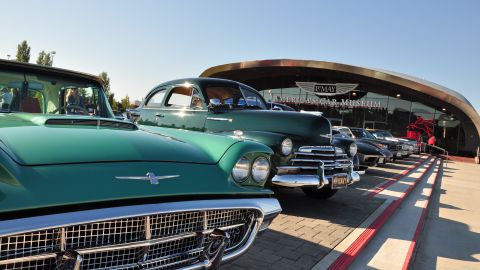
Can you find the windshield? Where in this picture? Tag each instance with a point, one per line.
(235, 97)
(381, 133)
(48, 94)
(361, 133)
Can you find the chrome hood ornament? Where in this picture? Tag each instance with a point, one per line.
(150, 176)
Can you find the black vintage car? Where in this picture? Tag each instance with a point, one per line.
(388, 148)
(369, 154)
(404, 147)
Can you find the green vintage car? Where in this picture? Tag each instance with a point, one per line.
(82, 190)
(305, 155)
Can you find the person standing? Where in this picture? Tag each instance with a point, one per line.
(6, 99)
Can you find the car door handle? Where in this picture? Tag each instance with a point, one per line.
(159, 115)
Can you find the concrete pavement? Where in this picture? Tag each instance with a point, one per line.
(451, 236)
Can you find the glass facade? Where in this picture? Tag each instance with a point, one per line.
(401, 116)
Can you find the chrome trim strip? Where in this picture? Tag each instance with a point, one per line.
(185, 109)
(220, 119)
(9, 227)
(371, 156)
(320, 154)
(319, 160)
(309, 149)
(315, 154)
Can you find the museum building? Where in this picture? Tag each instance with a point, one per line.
(364, 97)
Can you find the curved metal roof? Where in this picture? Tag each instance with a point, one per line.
(418, 85)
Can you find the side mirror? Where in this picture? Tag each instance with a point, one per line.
(133, 116)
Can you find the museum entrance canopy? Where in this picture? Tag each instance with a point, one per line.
(363, 97)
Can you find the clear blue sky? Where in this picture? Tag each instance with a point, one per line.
(143, 43)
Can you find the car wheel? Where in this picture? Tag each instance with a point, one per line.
(322, 194)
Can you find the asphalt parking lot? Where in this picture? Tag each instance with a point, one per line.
(308, 228)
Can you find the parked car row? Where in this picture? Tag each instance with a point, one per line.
(378, 146)
(184, 180)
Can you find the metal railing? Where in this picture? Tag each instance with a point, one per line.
(425, 146)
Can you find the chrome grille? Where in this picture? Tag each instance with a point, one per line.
(308, 158)
(176, 223)
(105, 233)
(30, 265)
(29, 244)
(225, 218)
(158, 241)
(395, 147)
(112, 258)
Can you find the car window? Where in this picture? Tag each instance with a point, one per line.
(230, 95)
(49, 94)
(226, 95)
(180, 97)
(80, 100)
(253, 99)
(197, 102)
(156, 100)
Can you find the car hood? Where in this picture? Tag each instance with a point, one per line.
(43, 140)
(367, 148)
(299, 126)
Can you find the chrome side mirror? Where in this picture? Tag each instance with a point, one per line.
(133, 116)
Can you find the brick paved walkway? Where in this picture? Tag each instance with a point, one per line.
(309, 228)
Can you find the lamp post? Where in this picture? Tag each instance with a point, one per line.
(53, 54)
(8, 56)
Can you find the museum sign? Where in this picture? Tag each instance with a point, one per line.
(326, 89)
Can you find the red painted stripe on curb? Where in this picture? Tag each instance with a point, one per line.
(349, 255)
(421, 222)
(396, 178)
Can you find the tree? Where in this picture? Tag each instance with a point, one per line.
(106, 82)
(111, 99)
(45, 59)
(125, 103)
(23, 52)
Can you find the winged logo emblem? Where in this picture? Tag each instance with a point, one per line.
(150, 176)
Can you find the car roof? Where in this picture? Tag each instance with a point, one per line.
(20, 66)
(201, 81)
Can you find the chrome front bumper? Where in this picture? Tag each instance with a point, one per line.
(319, 180)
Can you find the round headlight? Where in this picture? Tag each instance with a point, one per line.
(287, 146)
(241, 170)
(260, 169)
(352, 150)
